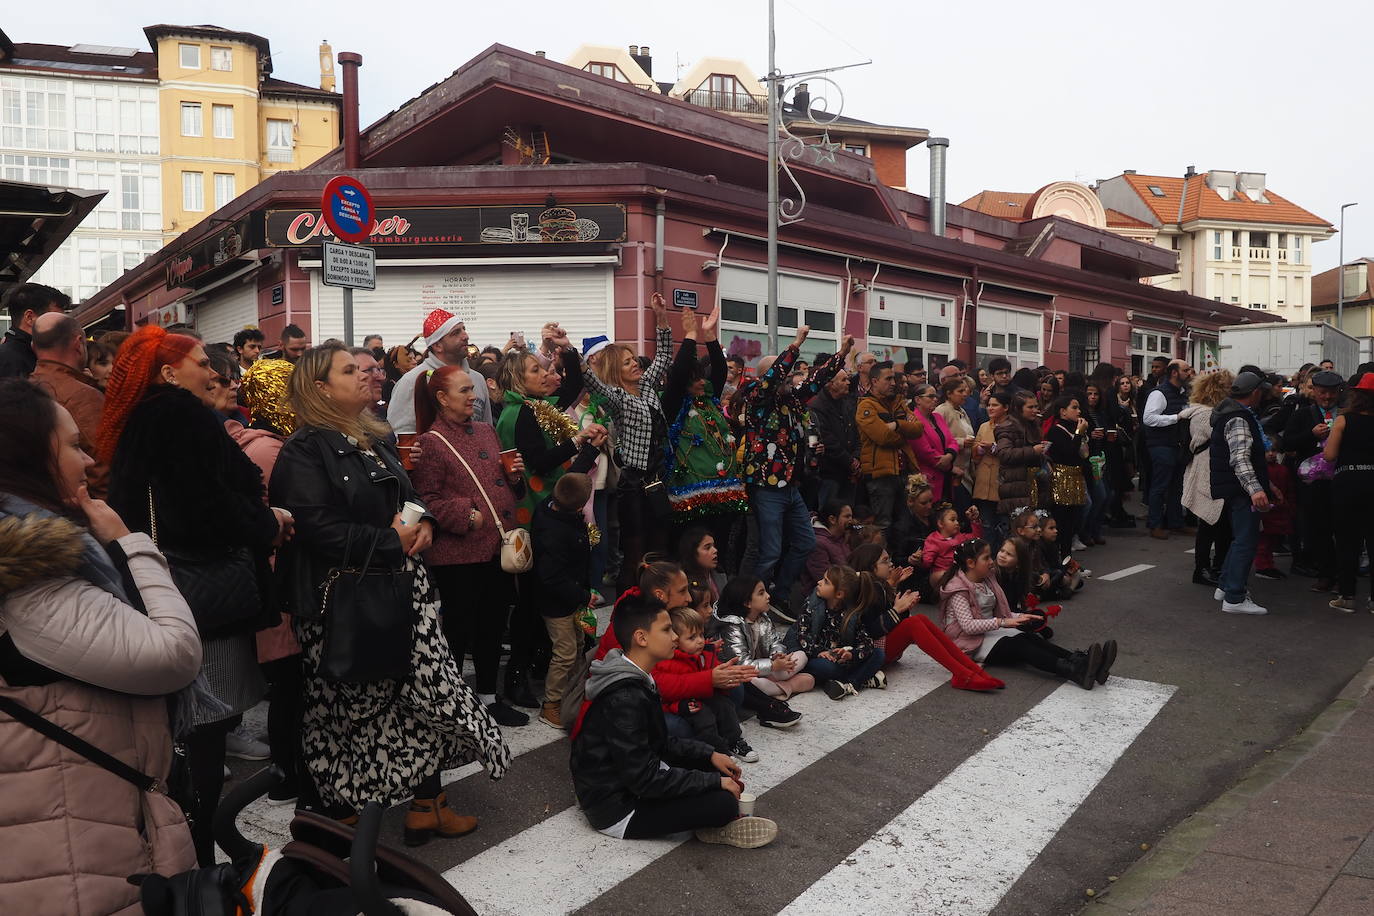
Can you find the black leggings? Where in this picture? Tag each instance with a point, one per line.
(205, 759)
(1030, 649)
(476, 598)
(716, 722)
(1069, 519)
(529, 638)
(1353, 494)
(654, 817)
(640, 533)
(287, 677)
(1212, 538)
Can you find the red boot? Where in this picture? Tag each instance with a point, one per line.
(934, 642)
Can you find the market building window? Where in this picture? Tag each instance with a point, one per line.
(1084, 345)
(909, 327)
(744, 317)
(1009, 333)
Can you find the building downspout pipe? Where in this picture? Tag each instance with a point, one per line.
(938, 147)
(350, 62)
(659, 209)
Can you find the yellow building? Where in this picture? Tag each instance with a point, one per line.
(226, 123)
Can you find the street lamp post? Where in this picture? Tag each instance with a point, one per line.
(773, 119)
(1340, 274)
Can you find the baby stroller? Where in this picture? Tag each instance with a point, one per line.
(327, 869)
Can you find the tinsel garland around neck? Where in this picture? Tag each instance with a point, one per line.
(554, 423)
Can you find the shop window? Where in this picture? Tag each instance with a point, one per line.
(879, 327)
(908, 330)
(936, 333)
(741, 312)
(820, 321)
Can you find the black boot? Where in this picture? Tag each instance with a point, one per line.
(1204, 576)
(1081, 667)
(518, 689)
(1104, 668)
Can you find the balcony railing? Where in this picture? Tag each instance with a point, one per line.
(737, 102)
(1259, 254)
(1283, 254)
(1235, 252)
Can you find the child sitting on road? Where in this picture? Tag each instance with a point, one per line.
(690, 674)
(751, 637)
(977, 617)
(938, 551)
(632, 779)
(1066, 576)
(1014, 575)
(830, 631)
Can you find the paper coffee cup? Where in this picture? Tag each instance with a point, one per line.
(411, 513)
(508, 460)
(746, 804)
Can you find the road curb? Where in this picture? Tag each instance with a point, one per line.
(1182, 844)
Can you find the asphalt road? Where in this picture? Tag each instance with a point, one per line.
(937, 800)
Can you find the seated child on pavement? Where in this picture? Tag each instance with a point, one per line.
(830, 631)
(749, 635)
(695, 674)
(632, 779)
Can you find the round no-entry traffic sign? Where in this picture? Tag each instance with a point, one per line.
(347, 209)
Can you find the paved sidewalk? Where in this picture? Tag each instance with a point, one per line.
(1295, 836)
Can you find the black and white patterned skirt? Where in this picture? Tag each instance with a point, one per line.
(376, 742)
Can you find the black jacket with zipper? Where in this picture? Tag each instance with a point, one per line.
(562, 560)
(342, 500)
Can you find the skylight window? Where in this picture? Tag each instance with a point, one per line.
(1156, 190)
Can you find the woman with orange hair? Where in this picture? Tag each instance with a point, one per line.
(176, 474)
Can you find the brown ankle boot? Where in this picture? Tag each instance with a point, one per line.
(428, 816)
(551, 715)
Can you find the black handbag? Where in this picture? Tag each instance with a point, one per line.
(369, 621)
(220, 587)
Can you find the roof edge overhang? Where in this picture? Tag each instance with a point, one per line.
(41, 217)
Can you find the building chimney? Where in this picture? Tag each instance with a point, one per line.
(350, 62)
(1191, 172)
(540, 54)
(640, 54)
(801, 98)
(937, 147)
(326, 66)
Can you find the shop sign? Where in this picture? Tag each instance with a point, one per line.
(485, 226)
(349, 266)
(216, 251)
(347, 208)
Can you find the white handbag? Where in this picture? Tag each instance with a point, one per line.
(517, 548)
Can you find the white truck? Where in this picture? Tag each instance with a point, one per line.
(1288, 346)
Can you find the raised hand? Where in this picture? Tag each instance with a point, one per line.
(660, 309)
(689, 324)
(710, 325)
(802, 333)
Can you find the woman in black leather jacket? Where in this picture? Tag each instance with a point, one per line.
(389, 739)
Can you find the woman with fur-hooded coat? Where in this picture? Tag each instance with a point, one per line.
(92, 649)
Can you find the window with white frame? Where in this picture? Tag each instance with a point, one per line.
(1010, 333)
(221, 59)
(858, 149)
(130, 193)
(191, 125)
(193, 191)
(1297, 248)
(190, 56)
(223, 117)
(224, 189)
(33, 114)
(1216, 245)
(1145, 346)
(280, 142)
(608, 70)
(744, 318)
(906, 326)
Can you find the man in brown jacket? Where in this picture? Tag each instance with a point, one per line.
(885, 424)
(60, 346)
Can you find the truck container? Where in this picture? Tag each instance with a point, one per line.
(1287, 347)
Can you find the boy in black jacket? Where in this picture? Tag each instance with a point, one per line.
(561, 580)
(634, 781)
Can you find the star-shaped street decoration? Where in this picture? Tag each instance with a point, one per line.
(825, 150)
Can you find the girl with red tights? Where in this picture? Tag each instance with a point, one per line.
(889, 620)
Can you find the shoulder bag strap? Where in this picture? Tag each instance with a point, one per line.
(152, 516)
(480, 489)
(92, 753)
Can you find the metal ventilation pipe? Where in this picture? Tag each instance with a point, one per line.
(937, 147)
(349, 62)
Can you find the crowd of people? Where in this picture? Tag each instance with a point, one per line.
(337, 529)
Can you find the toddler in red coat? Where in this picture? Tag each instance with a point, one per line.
(693, 674)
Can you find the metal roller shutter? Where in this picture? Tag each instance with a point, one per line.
(227, 310)
(492, 301)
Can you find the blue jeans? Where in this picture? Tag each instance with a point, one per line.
(1095, 512)
(1166, 488)
(781, 512)
(822, 669)
(1245, 529)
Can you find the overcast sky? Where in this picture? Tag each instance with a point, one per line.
(1028, 93)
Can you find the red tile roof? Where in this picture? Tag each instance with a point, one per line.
(1006, 204)
(1118, 220)
(1201, 202)
(1324, 284)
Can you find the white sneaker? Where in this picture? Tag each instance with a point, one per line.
(245, 748)
(1248, 606)
(1078, 544)
(744, 833)
(1218, 595)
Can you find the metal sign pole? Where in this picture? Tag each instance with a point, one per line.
(348, 315)
(773, 88)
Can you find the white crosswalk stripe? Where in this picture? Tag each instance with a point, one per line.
(562, 864)
(1020, 788)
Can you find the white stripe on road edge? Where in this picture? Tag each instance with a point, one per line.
(1018, 790)
(270, 824)
(562, 864)
(1123, 573)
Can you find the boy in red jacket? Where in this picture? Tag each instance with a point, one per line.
(687, 677)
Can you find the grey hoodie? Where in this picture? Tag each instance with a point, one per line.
(612, 669)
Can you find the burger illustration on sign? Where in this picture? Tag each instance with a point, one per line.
(556, 224)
